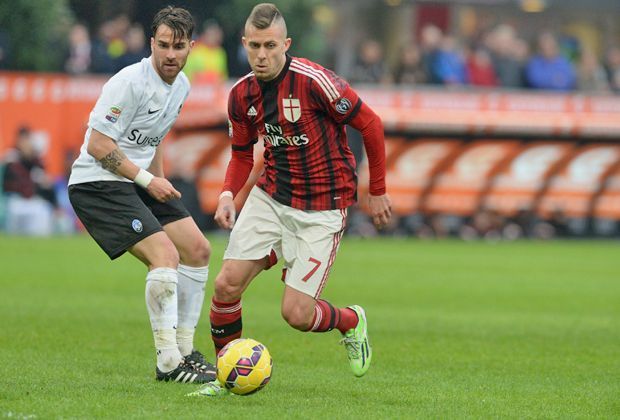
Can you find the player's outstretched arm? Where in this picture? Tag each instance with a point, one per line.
(107, 152)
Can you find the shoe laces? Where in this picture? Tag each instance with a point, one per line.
(353, 346)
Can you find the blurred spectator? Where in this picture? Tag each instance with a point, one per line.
(101, 60)
(78, 61)
(430, 40)
(612, 66)
(207, 63)
(30, 197)
(409, 69)
(449, 66)
(238, 63)
(110, 44)
(485, 223)
(591, 74)
(508, 54)
(370, 66)
(549, 70)
(480, 70)
(119, 29)
(136, 49)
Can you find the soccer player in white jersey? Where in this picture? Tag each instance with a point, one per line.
(118, 190)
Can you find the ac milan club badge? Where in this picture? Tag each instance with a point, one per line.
(292, 109)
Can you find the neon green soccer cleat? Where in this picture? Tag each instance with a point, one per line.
(356, 342)
(211, 389)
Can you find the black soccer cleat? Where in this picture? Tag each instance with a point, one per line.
(185, 373)
(197, 359)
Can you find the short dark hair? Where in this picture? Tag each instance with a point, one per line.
(177, 19)
(264, 15)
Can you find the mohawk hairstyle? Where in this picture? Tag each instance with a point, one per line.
(264, 15)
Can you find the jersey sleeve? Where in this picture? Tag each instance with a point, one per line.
(116, 107)
(336, 97)
(243, 137)
(242, 133)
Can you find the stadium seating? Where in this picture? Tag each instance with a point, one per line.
(521, 183)
(459, 189)
(573, 189)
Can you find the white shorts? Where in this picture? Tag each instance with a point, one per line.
(307, 240)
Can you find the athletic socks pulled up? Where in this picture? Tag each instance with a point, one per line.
(327, 317)
(161, 304)
(191, 294)
(226, 322)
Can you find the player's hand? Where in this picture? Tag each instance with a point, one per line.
(380, 210)
(225, 213)
(162, 190)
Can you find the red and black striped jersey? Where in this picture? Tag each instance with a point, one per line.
(300, 116)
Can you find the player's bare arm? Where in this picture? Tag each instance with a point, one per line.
(157, 165)
(107, 152)
(112, 160)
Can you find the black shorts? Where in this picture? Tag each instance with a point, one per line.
(120, 214)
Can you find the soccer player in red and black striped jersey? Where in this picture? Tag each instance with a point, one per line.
(297, 210)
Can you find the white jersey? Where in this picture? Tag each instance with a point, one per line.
(136, 109)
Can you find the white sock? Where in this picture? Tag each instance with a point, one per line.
(161, 304)
(191, 294)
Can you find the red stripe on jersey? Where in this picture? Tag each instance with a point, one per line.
(300, 116)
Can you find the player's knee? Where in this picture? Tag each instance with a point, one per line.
(297, 318)
(199, 253)
(166, 256)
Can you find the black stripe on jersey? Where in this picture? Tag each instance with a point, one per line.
(284, 189)
(341, 145)
(307, 196)
(353, 113)
(330, 167)
(245, 146)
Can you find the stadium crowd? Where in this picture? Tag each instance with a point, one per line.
(497, 57)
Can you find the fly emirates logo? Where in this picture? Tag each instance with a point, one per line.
(274, 135)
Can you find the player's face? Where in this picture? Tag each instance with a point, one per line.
(266, 50)
(169, 54)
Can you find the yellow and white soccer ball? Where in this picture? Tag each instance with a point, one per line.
(244, 366)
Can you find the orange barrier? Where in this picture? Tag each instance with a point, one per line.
(496, 112)
(523, 181)
(459, 189)
(56, 107)
(573, 189)
(412, 173)
(607, 205)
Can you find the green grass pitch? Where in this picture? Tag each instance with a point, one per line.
(459, 330)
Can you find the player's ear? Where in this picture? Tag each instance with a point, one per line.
(287, 44)
(191, 44)
(244, 41)
(152, 44)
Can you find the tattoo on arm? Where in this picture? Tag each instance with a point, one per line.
(112, 160)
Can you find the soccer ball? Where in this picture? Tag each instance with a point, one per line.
(244, 366)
